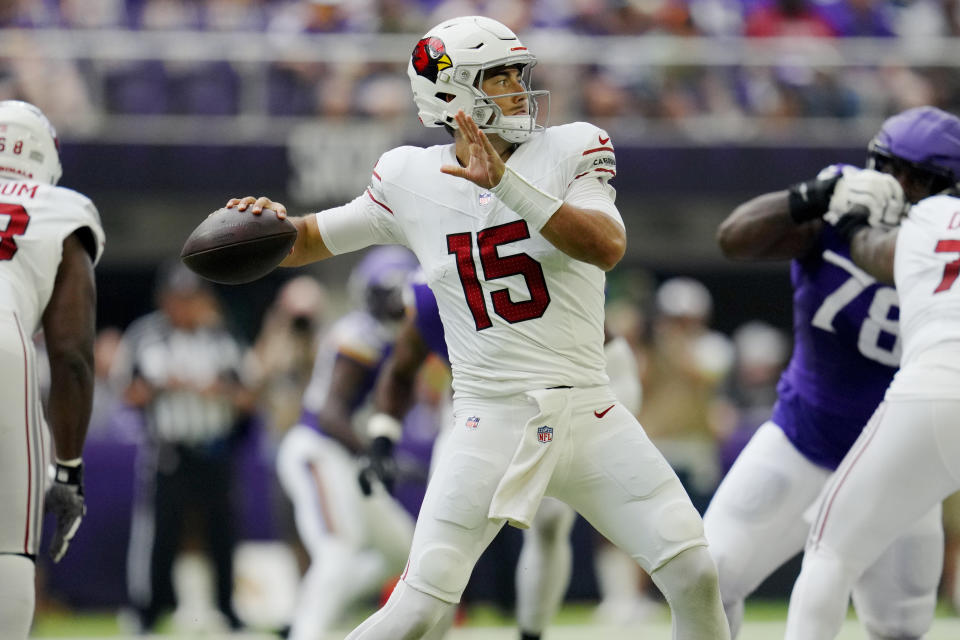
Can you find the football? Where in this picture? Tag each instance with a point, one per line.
(233, 247)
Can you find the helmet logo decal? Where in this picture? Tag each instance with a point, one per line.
(430, 58)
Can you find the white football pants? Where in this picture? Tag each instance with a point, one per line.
(896, 475)
(760, 517)
(608, 470)
(355, 542)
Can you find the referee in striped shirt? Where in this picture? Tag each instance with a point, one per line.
(182, 368)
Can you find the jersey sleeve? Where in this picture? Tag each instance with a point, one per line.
(81, 213)
(366, 220)
(592, 165)
(594, 156)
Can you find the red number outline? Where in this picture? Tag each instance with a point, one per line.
(950, 270)
(19, 219)
(496, 266)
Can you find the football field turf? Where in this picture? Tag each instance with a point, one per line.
(764, 621)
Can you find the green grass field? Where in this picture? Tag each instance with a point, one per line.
(764, 621)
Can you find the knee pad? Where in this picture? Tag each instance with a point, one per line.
(678, 521)
(441, 571)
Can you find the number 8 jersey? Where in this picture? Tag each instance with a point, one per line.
(35, 219)
(518, 313)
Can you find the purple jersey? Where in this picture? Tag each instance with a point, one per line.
(427, 320)
(846, 350)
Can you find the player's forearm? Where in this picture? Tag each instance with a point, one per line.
(335, 422)
(394, 392)
(71, 400)
(873, 251)
(762, 229)
(589, 236)
(309, 246)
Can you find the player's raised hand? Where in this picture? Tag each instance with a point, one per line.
(484, 167)
(257, 205)
(65, 502)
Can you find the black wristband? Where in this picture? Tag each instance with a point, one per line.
(810, 200)
(848, 225)
(69, 475)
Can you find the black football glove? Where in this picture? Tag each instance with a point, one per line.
(848, 223)
(378, 464)
(65, 502)
(811, 199)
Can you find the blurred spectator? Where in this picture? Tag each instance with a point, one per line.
(761, 352)
(106, 397)
(284, 350)
(686, 368)
(793, 18)
(859, 18)
(182, 368)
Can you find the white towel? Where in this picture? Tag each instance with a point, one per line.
(521, 489)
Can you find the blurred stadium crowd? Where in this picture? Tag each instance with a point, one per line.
(813, 76)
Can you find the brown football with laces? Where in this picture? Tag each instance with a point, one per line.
(233, 247)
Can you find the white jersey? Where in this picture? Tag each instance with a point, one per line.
(518, 313)
(35, 219)
(926, 270)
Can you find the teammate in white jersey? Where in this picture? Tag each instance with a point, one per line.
(905, 462)
(514, 226)
(50, 240)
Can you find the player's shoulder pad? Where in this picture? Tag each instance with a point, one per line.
(392, 163)
(357, 335)
(588, 150)
(78, 210)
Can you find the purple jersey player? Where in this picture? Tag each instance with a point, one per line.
(354, 544)
(846, 350)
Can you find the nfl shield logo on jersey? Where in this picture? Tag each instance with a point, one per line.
(545, 434)
(472, 422)
(485, 198)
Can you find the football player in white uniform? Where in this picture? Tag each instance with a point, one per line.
(545, 562)
(355, 544)
(50, 240)
(514, 226)
(905, 461)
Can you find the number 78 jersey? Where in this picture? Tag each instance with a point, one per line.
(518, 314)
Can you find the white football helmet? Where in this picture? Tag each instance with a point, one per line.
(446, 72)
(29, 149)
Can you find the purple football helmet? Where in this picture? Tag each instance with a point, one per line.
(377, 282)
(926, 139)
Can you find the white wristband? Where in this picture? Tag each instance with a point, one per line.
(74, 462)
(528, 201)
(382, 424)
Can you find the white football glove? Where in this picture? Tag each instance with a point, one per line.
(876, 194)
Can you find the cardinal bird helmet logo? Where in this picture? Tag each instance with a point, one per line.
(430, 58)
